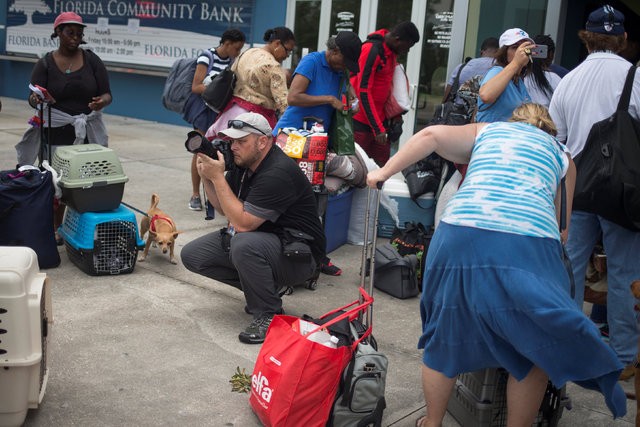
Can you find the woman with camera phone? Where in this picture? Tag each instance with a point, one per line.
(502, 88)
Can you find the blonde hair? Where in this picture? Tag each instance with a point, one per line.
(535, 114)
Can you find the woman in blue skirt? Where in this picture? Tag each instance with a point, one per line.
(496, 292)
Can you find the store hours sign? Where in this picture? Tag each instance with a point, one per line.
(129, 32)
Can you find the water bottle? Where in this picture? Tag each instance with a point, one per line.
(324, 338)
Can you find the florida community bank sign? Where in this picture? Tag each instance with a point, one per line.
(129, 32)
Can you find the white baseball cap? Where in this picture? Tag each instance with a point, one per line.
(245, 124)
(513, 36)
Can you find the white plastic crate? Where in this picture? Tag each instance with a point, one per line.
(26, 318)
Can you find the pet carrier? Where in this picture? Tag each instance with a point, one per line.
(25, 320)
(479, 399)
(101, 243)
(91, 177)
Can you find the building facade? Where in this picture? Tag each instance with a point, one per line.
(139, 40)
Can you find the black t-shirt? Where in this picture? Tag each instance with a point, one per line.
(279, 185)
(73, 92)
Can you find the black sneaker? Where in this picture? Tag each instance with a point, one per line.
(257, 330)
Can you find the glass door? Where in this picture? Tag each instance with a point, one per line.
(430, 62)
(306, 27)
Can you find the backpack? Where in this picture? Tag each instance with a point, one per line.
(453, 113)
(177, 88)
(360, 399)
(608, 178)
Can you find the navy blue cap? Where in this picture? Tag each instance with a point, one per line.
(606, 20)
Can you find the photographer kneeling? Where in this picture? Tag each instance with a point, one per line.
(273, 238)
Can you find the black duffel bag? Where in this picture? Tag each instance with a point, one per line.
(395, 274)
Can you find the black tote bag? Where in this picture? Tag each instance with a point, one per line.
(608, 175)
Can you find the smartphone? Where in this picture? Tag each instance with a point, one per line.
(540, 51)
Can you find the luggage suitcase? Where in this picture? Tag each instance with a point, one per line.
(26, 207)
(338, 380)
(26, 213)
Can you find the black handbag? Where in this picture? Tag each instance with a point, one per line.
(608, 176)
(427, 175)
(218, 93)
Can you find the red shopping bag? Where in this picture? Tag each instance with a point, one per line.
(295, 380)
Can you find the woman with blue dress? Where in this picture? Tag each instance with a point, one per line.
(495, 290)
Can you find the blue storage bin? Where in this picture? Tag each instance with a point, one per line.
(336, 220)
(101, 243)
(408, 210)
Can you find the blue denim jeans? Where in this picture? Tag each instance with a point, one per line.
(623, 267)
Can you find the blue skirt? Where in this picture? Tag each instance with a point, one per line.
(494, 299)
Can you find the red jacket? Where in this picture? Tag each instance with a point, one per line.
(374, 81)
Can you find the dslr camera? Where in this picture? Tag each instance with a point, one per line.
(197, 143)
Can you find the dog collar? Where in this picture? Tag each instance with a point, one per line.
(161, 218)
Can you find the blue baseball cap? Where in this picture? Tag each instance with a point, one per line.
(606, 20)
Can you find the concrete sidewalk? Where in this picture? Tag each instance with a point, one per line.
(159, 346)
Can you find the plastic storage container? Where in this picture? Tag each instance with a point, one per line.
(91, 177)
(101, 243)
(479, 399)
(25, 322)
(336, 220)
(408, 210)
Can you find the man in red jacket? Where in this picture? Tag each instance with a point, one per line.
(373, 85)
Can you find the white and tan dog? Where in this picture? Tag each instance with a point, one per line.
(161, 228)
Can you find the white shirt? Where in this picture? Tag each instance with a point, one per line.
(537, 94)
(589, 94)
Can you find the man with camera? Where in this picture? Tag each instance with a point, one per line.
(274, 238)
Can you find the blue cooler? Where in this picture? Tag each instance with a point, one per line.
(408, 210)
(336, 220)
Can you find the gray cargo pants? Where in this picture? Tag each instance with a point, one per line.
(255, 264)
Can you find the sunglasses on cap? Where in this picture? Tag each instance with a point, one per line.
(239, 124)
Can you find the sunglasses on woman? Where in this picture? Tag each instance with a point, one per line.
(239, 124)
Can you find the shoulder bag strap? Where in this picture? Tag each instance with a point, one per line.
(623, 104)
(456, 84)
(563, 225)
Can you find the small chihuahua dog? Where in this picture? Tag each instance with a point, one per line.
(161, 228)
